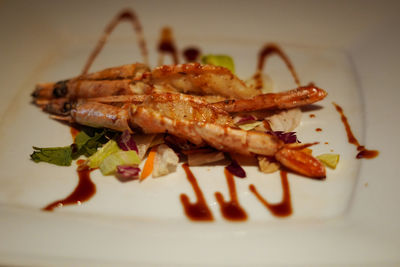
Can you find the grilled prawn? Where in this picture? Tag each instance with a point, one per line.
(298, 97)
(196, 121)
(138, 79)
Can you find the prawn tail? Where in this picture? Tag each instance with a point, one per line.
(301, 162)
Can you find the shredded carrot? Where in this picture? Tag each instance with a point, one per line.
(149, 165)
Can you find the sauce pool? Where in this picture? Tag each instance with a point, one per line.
(231, 210)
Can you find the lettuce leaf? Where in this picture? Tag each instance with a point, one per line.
(110, 163)
(86, 143)
(219, 60)
(61, 156)
(97, 158)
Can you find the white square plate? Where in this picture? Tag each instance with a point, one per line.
(127, 223)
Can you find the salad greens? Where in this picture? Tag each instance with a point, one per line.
(219, 60)
(88, 140)
(61, 156)
(109, 148)
(86, 143)
(329, 159)
(109, 164)
(119, 150)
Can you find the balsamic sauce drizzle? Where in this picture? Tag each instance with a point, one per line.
(82, 192)
(128, 15)
(199, 210)
(167, 46)
(282, 209)
(191, 54)
(266, 51)
(363, 152)
(231, 210)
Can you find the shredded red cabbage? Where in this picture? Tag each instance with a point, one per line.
(127, 173)
(246, 119)
(126, 142)
(288, 138)
(236, 169)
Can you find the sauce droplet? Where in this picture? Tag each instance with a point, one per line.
(231, 210)
(82, 192)
(282, 209)
(166, 45)
(124, 15)
(312, 115)
(318, 130)
(363, 152)
(199, 210)
(367, 154)
(191, 54)
(266, 51)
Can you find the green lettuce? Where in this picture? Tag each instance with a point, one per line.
(61, 156)
(219, 60)
(110, 163)
(86, 143)
(97, 158)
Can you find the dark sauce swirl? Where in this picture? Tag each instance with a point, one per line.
(282, 209)
(231, 210)
(267, 51)
(82, 192)
(199, 210)
(124, 15)
(363, 152)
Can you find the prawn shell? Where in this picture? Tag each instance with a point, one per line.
(202, 80)
(301, 162)
(223, 138)
(101, 116)
(131, 71)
